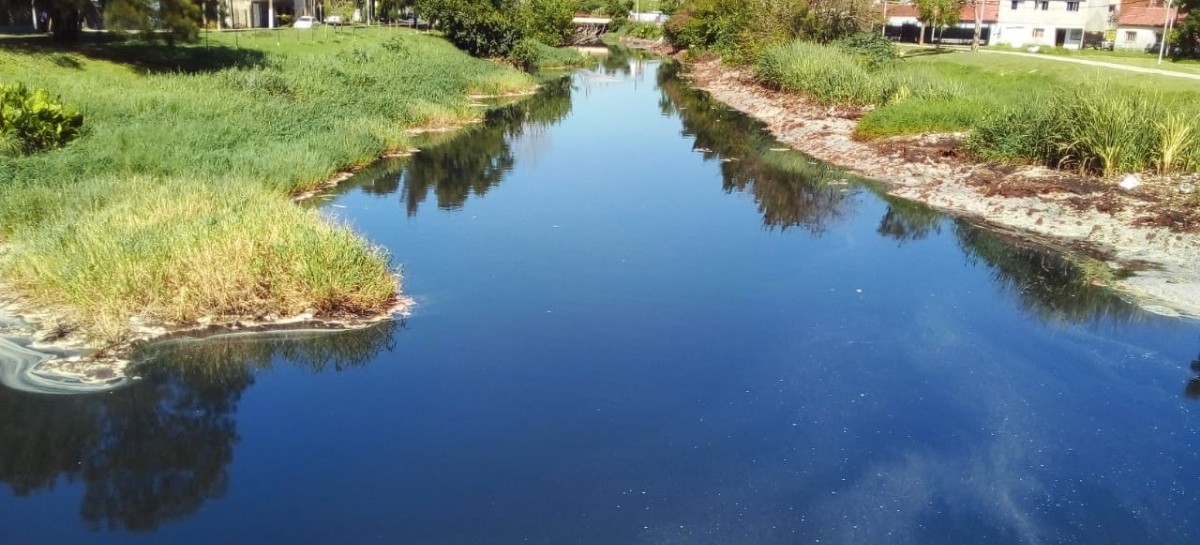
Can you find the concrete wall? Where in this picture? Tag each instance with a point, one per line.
(1141, 38)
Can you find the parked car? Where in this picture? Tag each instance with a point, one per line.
(335, 20)
(1154, 47)
(304, 21)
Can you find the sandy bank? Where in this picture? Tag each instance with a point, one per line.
(1128, 227)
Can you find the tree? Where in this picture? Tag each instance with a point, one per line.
(1186, 37)
(937, 14)
(179, 18)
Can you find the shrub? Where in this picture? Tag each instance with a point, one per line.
(645, 31)
(618, 13)
(482, 28)
(36, 120)
(525, 54)
(547, 21)
(1015, 134)
(1098, 128)
(740, 29)
(874, 50)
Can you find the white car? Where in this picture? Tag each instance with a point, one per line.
(304, 21)
(334, 20)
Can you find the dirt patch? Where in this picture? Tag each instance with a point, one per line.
(1156, 224)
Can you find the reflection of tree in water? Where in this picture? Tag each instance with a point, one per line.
(477, 158)
(907, 220)
(1051, 284)
(156, 451)
(1192, 390)
(790, 189)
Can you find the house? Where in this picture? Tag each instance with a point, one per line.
(1068, 24)
(904, 24)
(256, 13)
(1140, 23)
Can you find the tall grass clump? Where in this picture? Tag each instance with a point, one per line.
(833, 75)
(181, 250)
(1098, 129)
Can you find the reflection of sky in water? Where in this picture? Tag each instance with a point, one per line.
(624, 337)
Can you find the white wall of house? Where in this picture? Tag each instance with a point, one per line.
(1136, 37)
(1022, 23)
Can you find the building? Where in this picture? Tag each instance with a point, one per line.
(1140, 23)
(1069, 24)
(904, 24)
(255, 13)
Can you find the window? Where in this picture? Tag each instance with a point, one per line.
(1043, 5)
(1039, 33)
(1131, 35)
(1016, 4)
(1072, 6)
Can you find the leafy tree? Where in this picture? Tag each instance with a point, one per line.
(1186, 37)
(179, 18)
(937, 14)
(547, 21)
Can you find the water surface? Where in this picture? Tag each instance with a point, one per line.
(637, 322)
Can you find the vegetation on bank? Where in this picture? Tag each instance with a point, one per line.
(1022, 114)
(1016, 109)
(173, 204)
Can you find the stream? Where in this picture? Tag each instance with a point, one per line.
(640, 319)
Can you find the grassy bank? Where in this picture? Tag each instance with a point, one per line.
(174, 204)
(1016, 108)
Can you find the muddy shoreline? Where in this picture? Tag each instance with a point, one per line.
(1137, 230)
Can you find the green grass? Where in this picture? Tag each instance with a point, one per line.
(174, 205)
(1015, 109)
(990, 82)
(551, 58)
(833, 76)
(1126, 57)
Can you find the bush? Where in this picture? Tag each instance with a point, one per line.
(618, 13)
(547, 21)
(482, 28)
(492, 28)
(525, 54)
(874, 50)
(644, 31)
(1098, 129)
(34, 120)
(740, 29)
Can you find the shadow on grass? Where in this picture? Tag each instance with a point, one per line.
(927, 51)
(148, 57)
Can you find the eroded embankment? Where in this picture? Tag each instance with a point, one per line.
(1117, 224)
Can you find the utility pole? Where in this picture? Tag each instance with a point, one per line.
(1162, 44)
(271, 14)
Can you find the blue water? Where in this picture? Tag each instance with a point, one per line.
(637, 323)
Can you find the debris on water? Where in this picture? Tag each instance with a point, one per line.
(1187, 188)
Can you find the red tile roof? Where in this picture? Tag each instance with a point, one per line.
(1145, 16)
(991, 9)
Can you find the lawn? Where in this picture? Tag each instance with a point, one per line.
(1128, 57)
(990, 81)
(175, 203)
